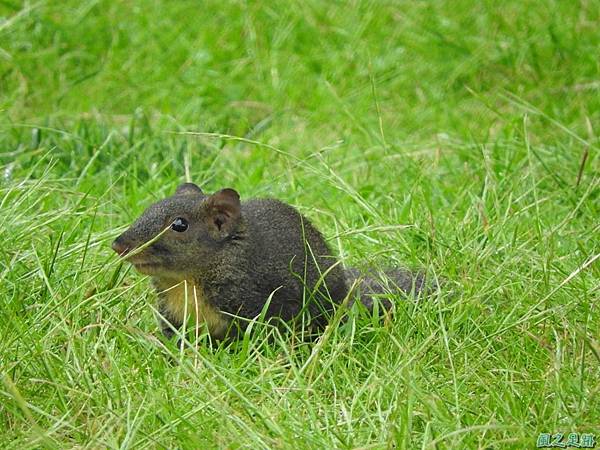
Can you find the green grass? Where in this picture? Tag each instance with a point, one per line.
(467, 121)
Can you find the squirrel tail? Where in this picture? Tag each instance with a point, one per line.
(373, 286)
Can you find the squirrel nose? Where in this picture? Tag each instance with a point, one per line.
(119, 247)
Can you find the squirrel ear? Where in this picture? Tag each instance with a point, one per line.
(188, 188)
(224, 209)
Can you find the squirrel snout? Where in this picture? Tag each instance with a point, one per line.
(120, 247)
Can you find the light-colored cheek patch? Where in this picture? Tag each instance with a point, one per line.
(186, 302)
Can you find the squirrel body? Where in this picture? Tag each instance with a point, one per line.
(219, 262)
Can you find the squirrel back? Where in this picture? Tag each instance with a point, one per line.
(218, 262)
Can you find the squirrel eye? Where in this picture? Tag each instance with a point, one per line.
(179, 225)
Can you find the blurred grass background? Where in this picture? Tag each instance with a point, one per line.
(458, 136)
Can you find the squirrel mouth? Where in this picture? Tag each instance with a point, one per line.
(143, 265)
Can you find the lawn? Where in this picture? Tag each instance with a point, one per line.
(459, 137)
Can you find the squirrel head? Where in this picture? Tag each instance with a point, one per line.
(175, 237)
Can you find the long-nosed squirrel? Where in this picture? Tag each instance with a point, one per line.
(218, 261)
